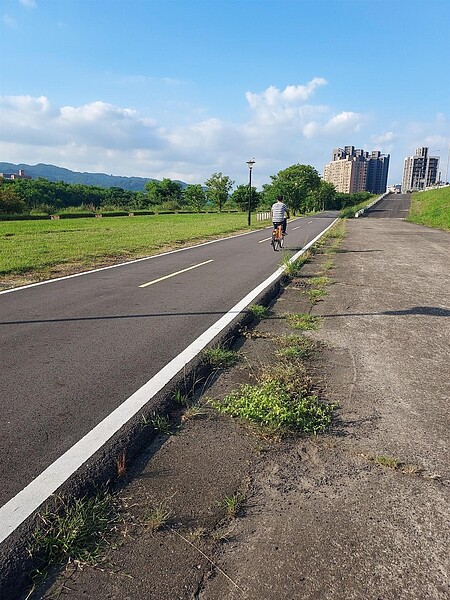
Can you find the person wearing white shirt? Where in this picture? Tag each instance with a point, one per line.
(280, 214)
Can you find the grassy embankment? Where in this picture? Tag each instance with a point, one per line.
(50, 248)
(431, 208)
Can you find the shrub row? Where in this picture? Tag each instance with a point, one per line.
(118, 213)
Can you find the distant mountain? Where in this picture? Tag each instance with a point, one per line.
(53, 173)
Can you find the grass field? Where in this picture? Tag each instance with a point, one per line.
(46, 248)
(431, 208)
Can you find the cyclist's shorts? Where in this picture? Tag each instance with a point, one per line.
(275, 225)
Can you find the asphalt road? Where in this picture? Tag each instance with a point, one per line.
(392, 206)
(75, 349)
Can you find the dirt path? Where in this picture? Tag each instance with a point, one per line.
(361, 512)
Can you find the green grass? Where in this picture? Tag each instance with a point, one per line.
(156, 517)
(181, 398)
(320, 281)
(337, 231)
(76, 531)
(258, 311)
(39, 245)
(327, 265)
(192, 412)
(233, 504)
(295, 347)
(317, 291)
(316, 295)
(304, 321)
(272, 405)
(292, 268)
(431, 208)
(161, 424)
(384, 461)
(282, 402)
(220, 358)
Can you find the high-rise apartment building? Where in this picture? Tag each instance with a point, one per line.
(339, 173)
(377, 172)
(419, 171)
(355, 170)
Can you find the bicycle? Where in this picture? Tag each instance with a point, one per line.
(277, 240)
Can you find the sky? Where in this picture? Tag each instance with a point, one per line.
(187, 88)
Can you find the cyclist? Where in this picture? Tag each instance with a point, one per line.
(280, 214)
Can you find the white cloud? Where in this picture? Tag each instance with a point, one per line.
(384, 138)
(274, 97)
(343, 123)
(28, 3)
(98, 124)
(284, 127)
(25, 106)
(287, 107)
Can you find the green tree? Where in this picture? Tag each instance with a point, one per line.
(10, 201)
(116, 197)
(240, 198)
(325, 195)
(48, 196)
(36, 192)
(295, 184)
(268, 195)
(218, 189)
(195, 196)
(139, 201)
(161, 192)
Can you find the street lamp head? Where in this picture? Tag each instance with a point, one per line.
(251, 163)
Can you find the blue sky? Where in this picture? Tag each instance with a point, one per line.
(186, 88)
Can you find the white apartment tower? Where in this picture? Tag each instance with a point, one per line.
(419, 171)
(347, 175)
(355, 170)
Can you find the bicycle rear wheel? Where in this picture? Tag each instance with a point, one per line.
(280, 238)
(274, 241)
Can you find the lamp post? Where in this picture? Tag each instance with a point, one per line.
(250, 164)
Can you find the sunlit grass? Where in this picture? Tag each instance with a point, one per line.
(38, 245)
(431, 208)
(304, 321)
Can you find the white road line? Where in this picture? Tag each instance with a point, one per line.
(23, 504)
(309, 222)
(294, 228)
(176, 273)
(264, 240)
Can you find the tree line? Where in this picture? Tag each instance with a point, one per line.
(300, 185)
